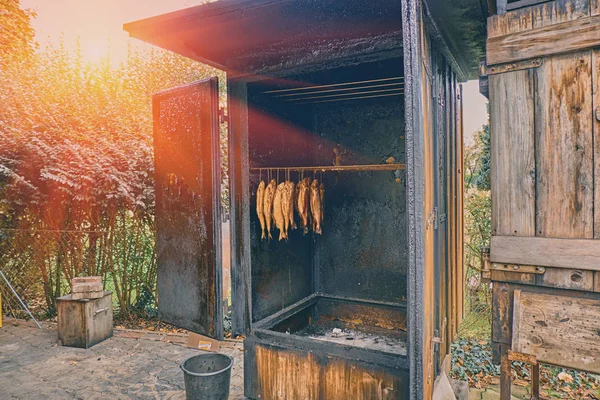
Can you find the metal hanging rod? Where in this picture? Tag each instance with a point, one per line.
(333, 85)
(325, 168)
(343, 95)
(401, 84)
(400, 93)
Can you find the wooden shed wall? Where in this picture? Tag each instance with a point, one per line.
(544, 73)
(544, 133)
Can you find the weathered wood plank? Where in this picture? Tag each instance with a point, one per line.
(513, 277)
(342, 380)
(513, 153)
(570, 36)
(287, 374)
(564, 161)
(594, 7)
(511, 22)
(573, 279)
(428, 242)
(280, 372)
(505, 373)
(559, 11)
(536, 16)
(596, 281)
(501, 313)
(558, 330)
(548, 252)
(460, 197)
(596, 133)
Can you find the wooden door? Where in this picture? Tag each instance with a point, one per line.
(188, 207)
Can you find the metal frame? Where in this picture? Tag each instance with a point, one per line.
(413, 71)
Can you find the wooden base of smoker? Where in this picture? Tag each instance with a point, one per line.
(280, 365)
(278, 371)
(84, 323)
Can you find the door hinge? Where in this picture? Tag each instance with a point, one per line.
(432, 218)
(222, 117)
(436, 342)
(485, 70)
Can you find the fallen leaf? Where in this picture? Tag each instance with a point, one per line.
(565, 377)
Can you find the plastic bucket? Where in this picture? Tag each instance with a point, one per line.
(207, 376)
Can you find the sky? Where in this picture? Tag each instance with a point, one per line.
(98, 24)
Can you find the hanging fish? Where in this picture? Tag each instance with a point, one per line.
(315, 207)
(278, 216)
(269, 197)
(293, 204)
(286, 206)
(260, 207)
(302, 201)
(322, 196)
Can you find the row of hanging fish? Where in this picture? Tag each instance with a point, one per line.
(278, 204)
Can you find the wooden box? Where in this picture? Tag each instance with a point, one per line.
(83, 323)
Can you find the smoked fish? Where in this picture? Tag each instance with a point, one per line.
(278, 215)
(322, 196)
(302, 201)
(286, 206)
(260, 207)
(315, 207)
(269, 197)
(293, 204)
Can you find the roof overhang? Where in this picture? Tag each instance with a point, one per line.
(218, 33)
(462, 25)
(234, 34)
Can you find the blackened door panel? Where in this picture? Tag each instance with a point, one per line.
(188, 225)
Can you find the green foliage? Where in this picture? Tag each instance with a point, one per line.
(477, 161)
(477, 222)
(472, 361)
(76, 161)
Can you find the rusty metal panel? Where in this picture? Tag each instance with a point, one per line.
(187, 180)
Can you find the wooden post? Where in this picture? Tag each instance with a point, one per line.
(505, 373)
(535, 381)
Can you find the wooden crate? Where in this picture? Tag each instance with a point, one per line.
(84, 323)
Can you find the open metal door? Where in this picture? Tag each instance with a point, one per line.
(188, 207)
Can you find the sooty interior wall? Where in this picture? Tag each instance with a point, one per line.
(363, 251)
(279, 135)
